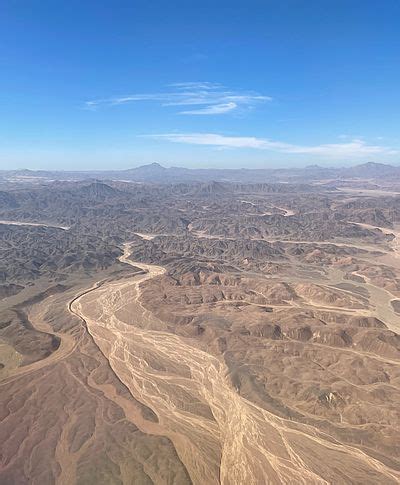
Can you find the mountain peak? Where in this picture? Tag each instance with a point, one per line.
(150, 166)
(373, 165)
(97, 189)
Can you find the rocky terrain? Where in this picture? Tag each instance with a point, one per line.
(219, 328)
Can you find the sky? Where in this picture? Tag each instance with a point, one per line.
(101, 84)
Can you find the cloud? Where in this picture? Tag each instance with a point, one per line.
(197, 85)
(212, 139)
(205, 98)
(352, 149)
(216, 109)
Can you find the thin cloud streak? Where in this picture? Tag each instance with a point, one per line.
(212, 98)
(206, 85)
(352, 149)
(216, 109)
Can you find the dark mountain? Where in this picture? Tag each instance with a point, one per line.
(98, 190)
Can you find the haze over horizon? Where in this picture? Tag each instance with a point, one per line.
(259, 86)
(157, 168)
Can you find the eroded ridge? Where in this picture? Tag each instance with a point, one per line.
(218, 434)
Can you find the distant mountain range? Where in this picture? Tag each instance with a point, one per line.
(156, 173)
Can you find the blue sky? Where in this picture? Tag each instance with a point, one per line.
(87, 85)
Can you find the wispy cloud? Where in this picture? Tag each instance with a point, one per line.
(212, 139)
(204, 98)
(216, 109)
(353, 149)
